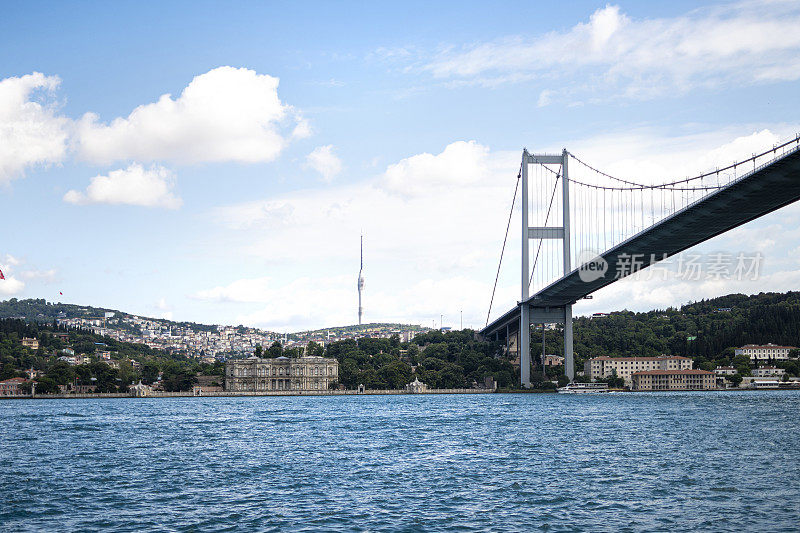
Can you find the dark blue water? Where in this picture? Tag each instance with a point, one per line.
(620, 462)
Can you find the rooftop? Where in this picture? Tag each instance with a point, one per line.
(768, 345)
(658, 358)
(691, 372)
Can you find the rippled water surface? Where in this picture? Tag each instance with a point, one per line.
(621, 462)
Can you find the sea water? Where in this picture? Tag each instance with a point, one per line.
(716, 461)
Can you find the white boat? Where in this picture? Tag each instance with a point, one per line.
(582, 388)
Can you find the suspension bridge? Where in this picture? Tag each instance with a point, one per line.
(590, 229)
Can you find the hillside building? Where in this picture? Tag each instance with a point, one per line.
(724, 371)
(768, 371)
(765, 352)
(28, 342)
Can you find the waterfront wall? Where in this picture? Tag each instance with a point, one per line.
(190, 394)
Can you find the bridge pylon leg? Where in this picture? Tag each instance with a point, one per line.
(525, 345)
(569, 356)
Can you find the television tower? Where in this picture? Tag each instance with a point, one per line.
(361, 282)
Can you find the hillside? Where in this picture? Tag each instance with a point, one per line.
(40, 310)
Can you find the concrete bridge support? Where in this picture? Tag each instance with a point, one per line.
(533, 315)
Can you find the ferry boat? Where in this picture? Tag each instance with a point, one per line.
(576, 388)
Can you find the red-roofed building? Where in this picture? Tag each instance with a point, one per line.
(688, 379)
(603, 367)
(12, 387)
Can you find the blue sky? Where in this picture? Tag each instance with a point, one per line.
(241, 199)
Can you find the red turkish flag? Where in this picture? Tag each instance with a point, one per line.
(1, 275)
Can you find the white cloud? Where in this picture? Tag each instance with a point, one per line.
(31, 133)
(45, 276)
(744, 43)
(323, 160)
(164, 309)
(461, 164)
(134, 185)
(10, 286)
(545, 98)
(226, 114)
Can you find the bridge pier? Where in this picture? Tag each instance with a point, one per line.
(569, 356)
(525, 345)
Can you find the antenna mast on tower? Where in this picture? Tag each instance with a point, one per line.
(361, 282)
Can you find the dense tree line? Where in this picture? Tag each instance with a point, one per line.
(441, 360)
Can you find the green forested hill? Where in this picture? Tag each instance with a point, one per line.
(761, 318)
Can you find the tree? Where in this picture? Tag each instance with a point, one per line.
(61, 373)
(348, 373)
(177, 378)
(396, 375)
(259, 351)
(45, 385)
(150, 372)
(275, 350)
(314, 350)
(106, 378)
(736, 379)
(614, 381)
(293, 353)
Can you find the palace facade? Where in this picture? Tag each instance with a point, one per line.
(281, 374)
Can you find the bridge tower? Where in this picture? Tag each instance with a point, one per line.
(529, 314)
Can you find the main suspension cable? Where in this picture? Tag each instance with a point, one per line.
(716, 172)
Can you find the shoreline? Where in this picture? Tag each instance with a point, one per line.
(241, 394)
(369, 392)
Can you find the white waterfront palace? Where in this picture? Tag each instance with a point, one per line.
(281, 374)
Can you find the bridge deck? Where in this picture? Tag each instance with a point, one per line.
(766, 189)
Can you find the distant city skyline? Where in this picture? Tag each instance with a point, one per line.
(222, 171)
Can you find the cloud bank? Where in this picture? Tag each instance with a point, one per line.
(434, 225)
(735, 44)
